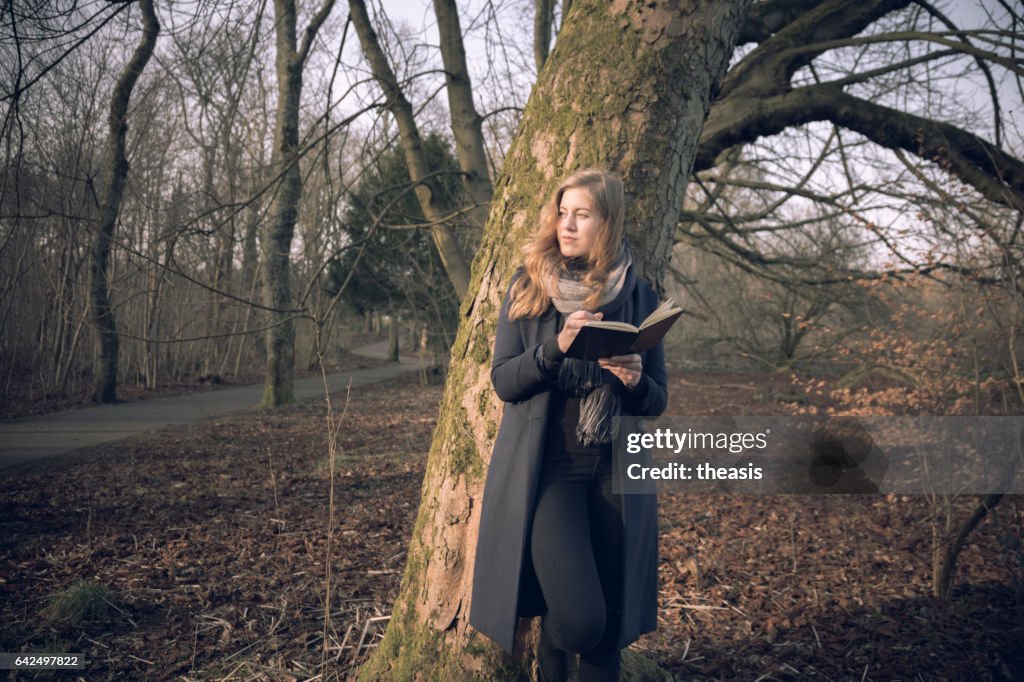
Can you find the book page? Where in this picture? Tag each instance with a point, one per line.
(666, 309)
(610, 324)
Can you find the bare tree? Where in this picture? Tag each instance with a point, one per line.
(277, 237)
(466, 122)
(452, 255)
(840, 63)
(105, 376)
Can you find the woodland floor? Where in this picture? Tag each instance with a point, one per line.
(207, 545)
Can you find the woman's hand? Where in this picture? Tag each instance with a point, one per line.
(628, 368)
(573, 323)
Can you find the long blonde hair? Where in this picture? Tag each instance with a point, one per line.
(542, 258)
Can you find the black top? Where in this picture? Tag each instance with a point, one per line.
(564, 411)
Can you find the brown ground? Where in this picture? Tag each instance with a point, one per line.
(212, 540)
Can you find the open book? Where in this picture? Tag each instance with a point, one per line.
(600, 339)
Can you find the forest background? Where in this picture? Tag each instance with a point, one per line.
(206, 193)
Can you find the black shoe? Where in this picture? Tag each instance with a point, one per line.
(552, 662)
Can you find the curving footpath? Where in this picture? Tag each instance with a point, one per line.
(27, 441)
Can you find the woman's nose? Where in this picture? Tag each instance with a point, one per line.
(568, 221)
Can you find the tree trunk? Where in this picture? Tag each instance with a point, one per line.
(645, 71)
(412, 340)
(466, 122)
(250, 266)
(278, 385)
(106, 354)
(279, 382)
(452, 256)
(393, 338)
(543, 20)
(222, 271)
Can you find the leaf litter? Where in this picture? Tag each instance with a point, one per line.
(210, 542)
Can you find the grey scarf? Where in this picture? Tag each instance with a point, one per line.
(570, 291)
(585, 378)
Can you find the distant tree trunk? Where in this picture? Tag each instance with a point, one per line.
(413, 335)
(211, 321)
(250, 281)
(106, 353)
(628, 88)
(452, 256)
(466, 122)
(278, 385)
(543, 20)
(224, 263)
(393, 339)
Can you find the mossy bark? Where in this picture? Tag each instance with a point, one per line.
(626, 87)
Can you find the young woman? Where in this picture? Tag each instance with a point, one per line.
(554, 539)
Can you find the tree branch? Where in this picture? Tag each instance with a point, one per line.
(998, 176)
(766, 18)
(944, 38)
(769, 68)
(309, 35)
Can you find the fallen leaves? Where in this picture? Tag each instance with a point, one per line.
(217, 563)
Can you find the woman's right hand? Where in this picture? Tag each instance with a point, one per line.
(573, 323)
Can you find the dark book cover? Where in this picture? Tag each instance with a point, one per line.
(594, 341)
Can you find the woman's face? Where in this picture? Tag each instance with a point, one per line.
(578, 223)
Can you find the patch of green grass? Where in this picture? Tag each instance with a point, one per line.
(82, 601)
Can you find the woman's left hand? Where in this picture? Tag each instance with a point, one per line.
(628, 368)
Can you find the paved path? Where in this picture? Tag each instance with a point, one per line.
(28, 440)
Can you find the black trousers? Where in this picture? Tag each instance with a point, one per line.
(577, 545)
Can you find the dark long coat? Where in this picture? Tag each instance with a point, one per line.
(504, 583)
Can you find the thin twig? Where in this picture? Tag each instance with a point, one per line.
(332, 447)
(273, 482)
